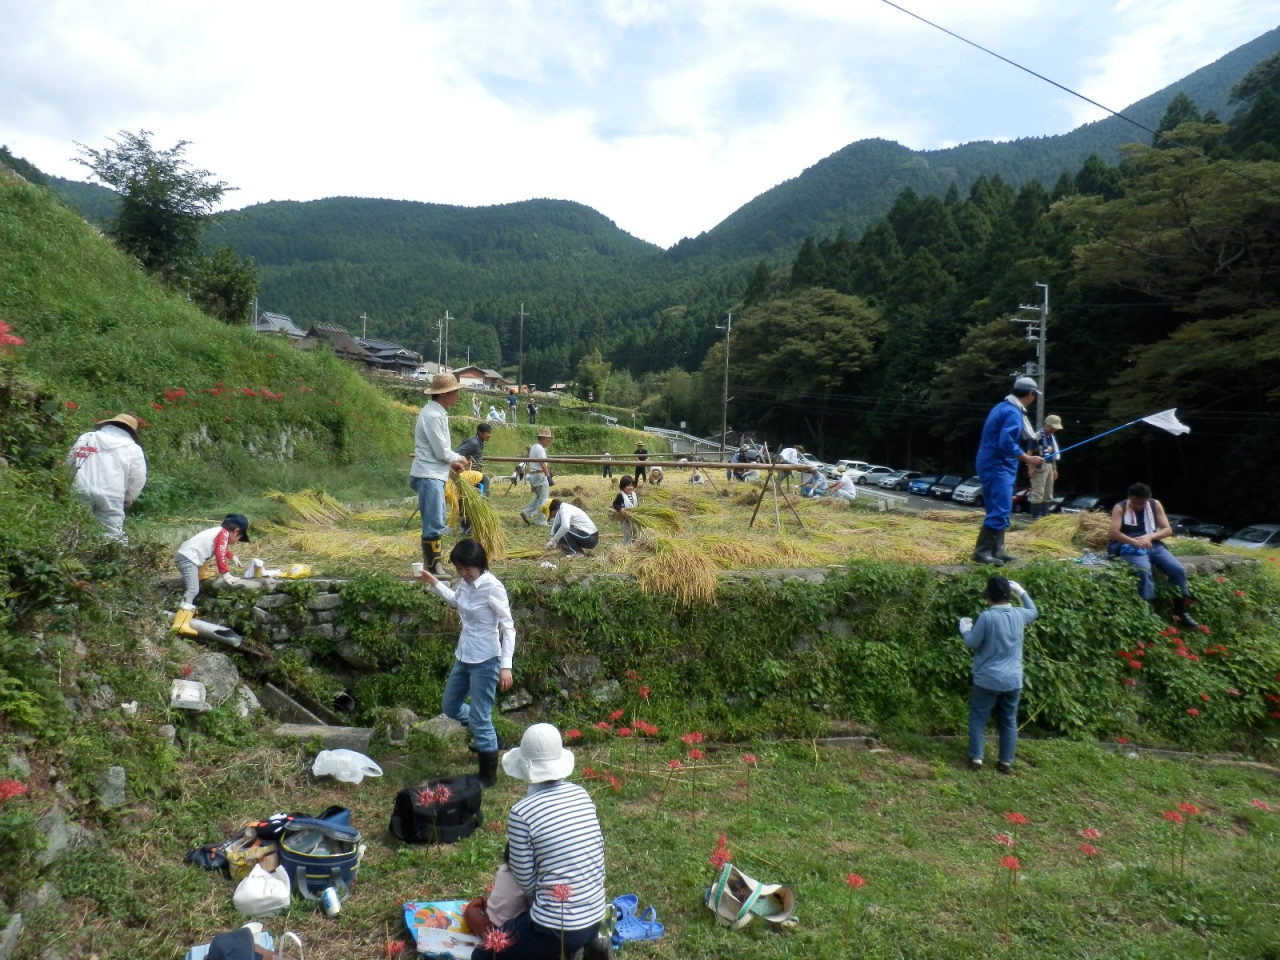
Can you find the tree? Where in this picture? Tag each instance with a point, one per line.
(223, 285)
(165, 204)
(592, 377)
(1182, 109)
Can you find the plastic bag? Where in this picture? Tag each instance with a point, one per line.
(299, 571)
(347, 765)
(261, 892)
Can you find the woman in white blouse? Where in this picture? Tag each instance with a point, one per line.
(482, 660)
(571, 529)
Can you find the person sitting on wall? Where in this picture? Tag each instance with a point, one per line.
(815, 485)
(1138, 525)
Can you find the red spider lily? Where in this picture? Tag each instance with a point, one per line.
(646, 728)
(742, 783)
(7, 338)
(158, 406)
(720, 855)
(71, 404)
(497, 940)
(1091, 833)
(624, 732)
(1004, 840)
(588, 773)
(1204, 696)
(393, 948)
(1173, 816)
(691, 738)
(1238, 593)
(1204, 628)
(1275, 714)
(562, 892)
(1261, 805)
(675, 764)
(854, 880)
(616, 715)
(614, 782)
(603, 725)
(1129, 682)
(573, 734)
(1088, 849)
(1220, 579)
(496, 826)
(187, 670)
(12, 788)
(250, 392)
(632, 675)
(1189, 808)
(644, 694)
(1136, 664)
(1193, 711)
(696, 754)
(1010, 863)
(1017, 819)
(750, 759)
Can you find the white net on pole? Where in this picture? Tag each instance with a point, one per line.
(1168, 420)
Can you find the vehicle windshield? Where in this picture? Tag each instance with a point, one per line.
(924, 480)
(1253, 535)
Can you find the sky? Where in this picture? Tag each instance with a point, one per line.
(664, 115)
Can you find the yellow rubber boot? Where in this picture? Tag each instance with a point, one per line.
(182, 621)
(436, 564)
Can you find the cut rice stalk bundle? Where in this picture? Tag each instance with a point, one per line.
(676, 568)
(736, 553)
(313, 506)
(376, 516)
(333, 543)
(523, 553)
(486, 528)
(649, 517)
(950, 516)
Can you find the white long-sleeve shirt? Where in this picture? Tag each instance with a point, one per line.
(431, 451)
(108, 462)
(571, 518)
(488, 629)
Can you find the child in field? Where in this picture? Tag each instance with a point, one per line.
(996, 642)
(215, 543)
(628, 499)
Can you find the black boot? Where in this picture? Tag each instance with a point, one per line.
(488, 772)
(1180, 614)
(984, 551)
(433, 559)
(999, 551)
(428, 557)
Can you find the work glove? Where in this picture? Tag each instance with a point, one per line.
(965, 624)
(1018, 588)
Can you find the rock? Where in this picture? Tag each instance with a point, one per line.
(169, 732)
(322, 630)
(581, 670)
(9, 936)
(325, 601)
(348, 652)
(606, 692)
(283, 707)
(112, 788)
(341, 631)
(103, 697)
(521, 698)
(326, 616)
(403, 717)
(218, 674)
(54, 828)
(280, 634)
(18, 765)
(79, 647)
(333, 738)
(274, 601)
(46, 895)
(245, 701)
(261, 617)
(443, 727)
(230, 583)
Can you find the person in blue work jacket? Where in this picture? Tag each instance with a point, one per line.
(1002, 448)
(996, 642)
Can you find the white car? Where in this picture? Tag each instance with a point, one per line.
(1256, 537)
(850, 466)
(870, 474)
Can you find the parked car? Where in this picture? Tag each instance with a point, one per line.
(813, 461)
(898, 480)
(870, 475)
(920, 486)
(1022, 500)
(1091, 502)
(1256, 536)
(969, 492)
(1217, 532)
(945, 487)
(848, 466)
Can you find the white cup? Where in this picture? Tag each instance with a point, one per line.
(417, 569)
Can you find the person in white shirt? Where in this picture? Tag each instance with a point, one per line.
(482, 660)
(843, 486)
(539, 476)
(571, 528)
(790, 455)
(110, 471)
(433, 460)
(212, 543)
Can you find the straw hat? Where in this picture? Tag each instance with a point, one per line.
(545, 432)
(1053, 422)
(122, 420)
(841, 471)
(443, 383)
(540, 757)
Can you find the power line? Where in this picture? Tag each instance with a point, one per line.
(1115, 113)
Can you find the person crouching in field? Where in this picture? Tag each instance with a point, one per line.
(215, 543)
(996, 642)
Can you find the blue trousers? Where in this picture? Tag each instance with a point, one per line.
(997, 496)
(479, 681)
(430, 505)
(1160, 558)
(1005, 704)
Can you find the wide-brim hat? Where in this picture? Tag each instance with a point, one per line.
(122, 420)
(1053, 421)
(541, 756)
(545, 432)
(841, 470)
(443, 383)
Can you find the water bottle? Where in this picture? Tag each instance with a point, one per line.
(330, 902)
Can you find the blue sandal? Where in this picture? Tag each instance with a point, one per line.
(627, 926)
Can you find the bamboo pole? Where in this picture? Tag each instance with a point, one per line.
(664, 464)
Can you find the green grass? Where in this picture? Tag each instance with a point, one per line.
(907, 818)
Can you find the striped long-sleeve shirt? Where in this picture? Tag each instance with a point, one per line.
(555, 839)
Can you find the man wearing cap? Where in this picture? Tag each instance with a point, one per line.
(641, 455)
(1004, 435)
(433, 460)
(556, 853)
(539, 479)
(1043, 476)
(110, 471)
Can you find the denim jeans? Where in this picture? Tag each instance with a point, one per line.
(1160, 558)
(430, 505)
(1005, 703)
(480, 682)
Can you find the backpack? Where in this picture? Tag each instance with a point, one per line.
(443, 810)
(318, 853)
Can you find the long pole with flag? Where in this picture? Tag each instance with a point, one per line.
(1165, 420)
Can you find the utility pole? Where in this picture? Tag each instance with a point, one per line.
(724, 410)
(440, 342)
(1037, 333)
(364, 326)
(520, 369)
(444, 326)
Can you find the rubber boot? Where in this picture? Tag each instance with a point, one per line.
(1180, 614)
(488, 771)
(427, 557)
(182, 620)
(436, 563)
(984, 551)
(999, 550)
